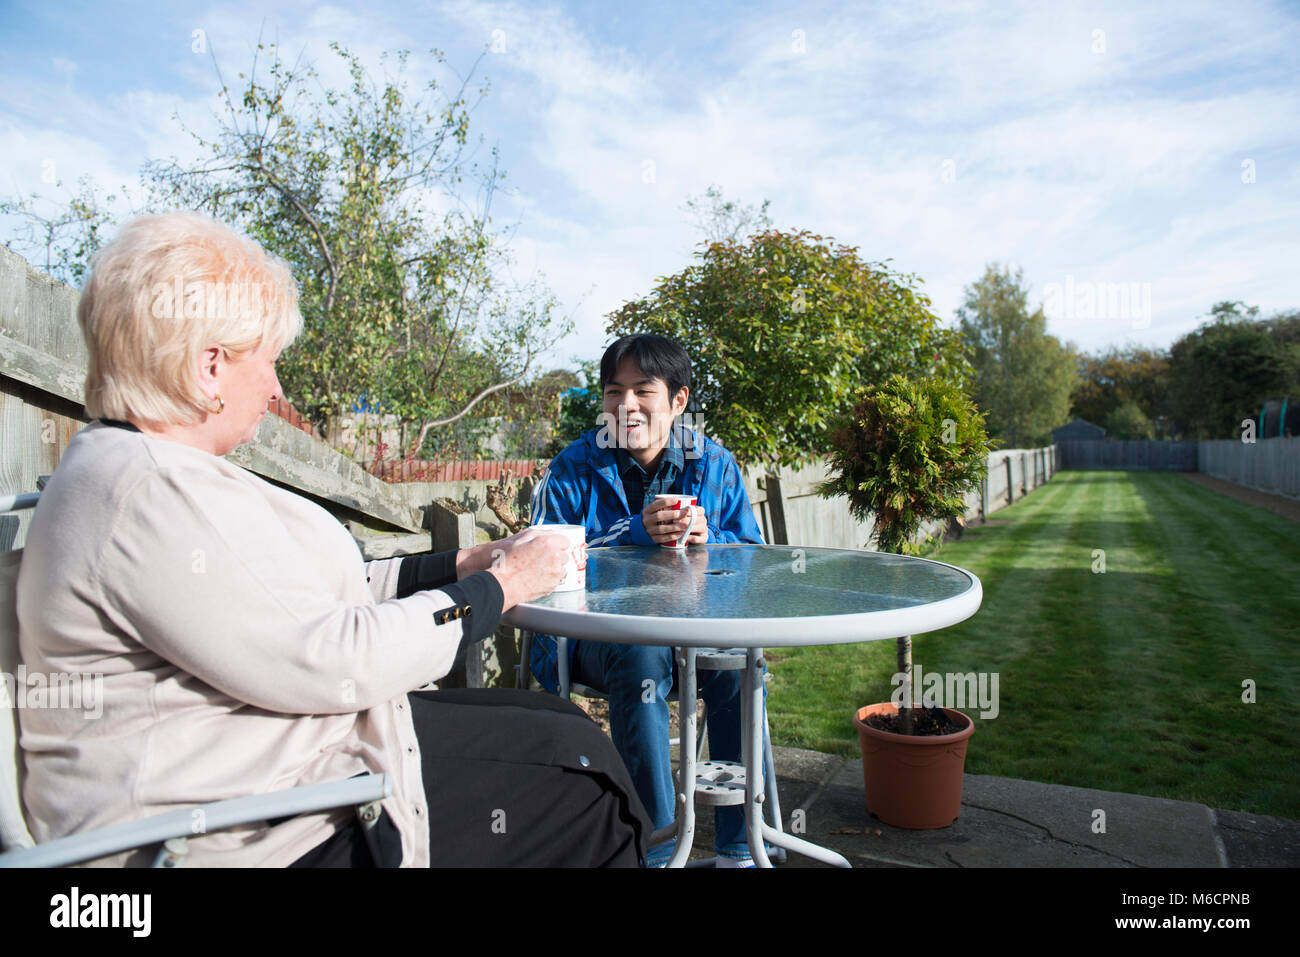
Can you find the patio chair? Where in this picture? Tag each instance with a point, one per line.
(169, 830)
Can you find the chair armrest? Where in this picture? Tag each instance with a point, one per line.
(215, 816)
(12, 503)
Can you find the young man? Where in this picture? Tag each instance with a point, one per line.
(607, 480)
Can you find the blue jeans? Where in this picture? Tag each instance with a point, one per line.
(637, 679)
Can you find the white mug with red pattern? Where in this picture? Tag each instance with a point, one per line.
(679, 502)
(575, 569)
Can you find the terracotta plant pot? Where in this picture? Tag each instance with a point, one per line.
(913, 781)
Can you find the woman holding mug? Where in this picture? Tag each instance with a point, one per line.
(245, 647)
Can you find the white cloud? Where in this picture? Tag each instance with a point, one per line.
(1119, 165)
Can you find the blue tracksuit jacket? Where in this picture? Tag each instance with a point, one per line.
(582, 487)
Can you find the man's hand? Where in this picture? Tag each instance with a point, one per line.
(665, 524)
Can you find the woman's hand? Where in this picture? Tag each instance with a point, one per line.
(527, 565)
(480, 557)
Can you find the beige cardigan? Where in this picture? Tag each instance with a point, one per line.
(244, 645)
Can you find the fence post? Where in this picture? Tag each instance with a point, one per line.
(453, 528)
(984, 494)
(1011, 490)
(776, 509)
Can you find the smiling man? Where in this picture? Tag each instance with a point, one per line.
(607, 481)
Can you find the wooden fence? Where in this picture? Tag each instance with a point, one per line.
(1270, 465)
(1131, 454)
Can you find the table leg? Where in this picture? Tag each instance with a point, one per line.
(687, 732)
(756, 828)
(800, 846)
(751, 736)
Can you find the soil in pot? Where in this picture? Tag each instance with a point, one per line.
(924, 721)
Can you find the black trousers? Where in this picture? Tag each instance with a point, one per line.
(513, 779)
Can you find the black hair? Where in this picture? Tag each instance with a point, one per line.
(655, 356)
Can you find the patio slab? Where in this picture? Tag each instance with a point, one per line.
(1006, 822)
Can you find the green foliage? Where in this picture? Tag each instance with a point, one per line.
(1119, 377)
(726, 221)
(579, 407)
(401, 300)
(67, 240)
(530, 413)
(907, 453)
(1224, 371)
(1025, 376)
(1127, 421)
(781, 331)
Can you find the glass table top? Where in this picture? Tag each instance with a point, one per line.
(753, 594)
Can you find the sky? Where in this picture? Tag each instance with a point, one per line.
(1139, 162)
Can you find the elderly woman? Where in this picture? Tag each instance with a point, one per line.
(244, 644)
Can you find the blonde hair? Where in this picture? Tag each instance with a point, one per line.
(163, 290)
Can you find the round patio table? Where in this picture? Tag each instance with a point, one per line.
(749, 597)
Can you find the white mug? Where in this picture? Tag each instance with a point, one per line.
(575, 568)
(679, 501)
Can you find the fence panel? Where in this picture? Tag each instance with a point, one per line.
(1132, 454)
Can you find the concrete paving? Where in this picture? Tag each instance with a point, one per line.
(1010, 823)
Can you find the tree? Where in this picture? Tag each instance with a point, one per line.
(1224, 371)
(531, 412)
(908, 453)
(1127, 421)
(726, 221)
(405, 312)
(1025, 376)
(781, 331)
(1123, 377)
(580, 407)
(67, 239)
(401, 304)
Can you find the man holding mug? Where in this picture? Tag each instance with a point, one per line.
(614, 481)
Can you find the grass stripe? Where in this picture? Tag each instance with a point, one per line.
(1129, 680)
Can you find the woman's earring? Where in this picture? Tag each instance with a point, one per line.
(221, 407)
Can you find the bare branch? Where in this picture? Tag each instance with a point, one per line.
(424, 429)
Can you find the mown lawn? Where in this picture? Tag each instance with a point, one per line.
(1130, 680)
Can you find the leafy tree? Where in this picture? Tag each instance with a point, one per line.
(67, 239)
(580, 407)
(531, 411)
(360, 191)
(1127, 421)
(781, 331)
(906, 454)
(1025, 376)
(400, 303)
(726, 221)
(1283, 327)
(1120, 377)
(1224, 371)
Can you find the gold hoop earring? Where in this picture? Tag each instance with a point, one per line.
(221, 407)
